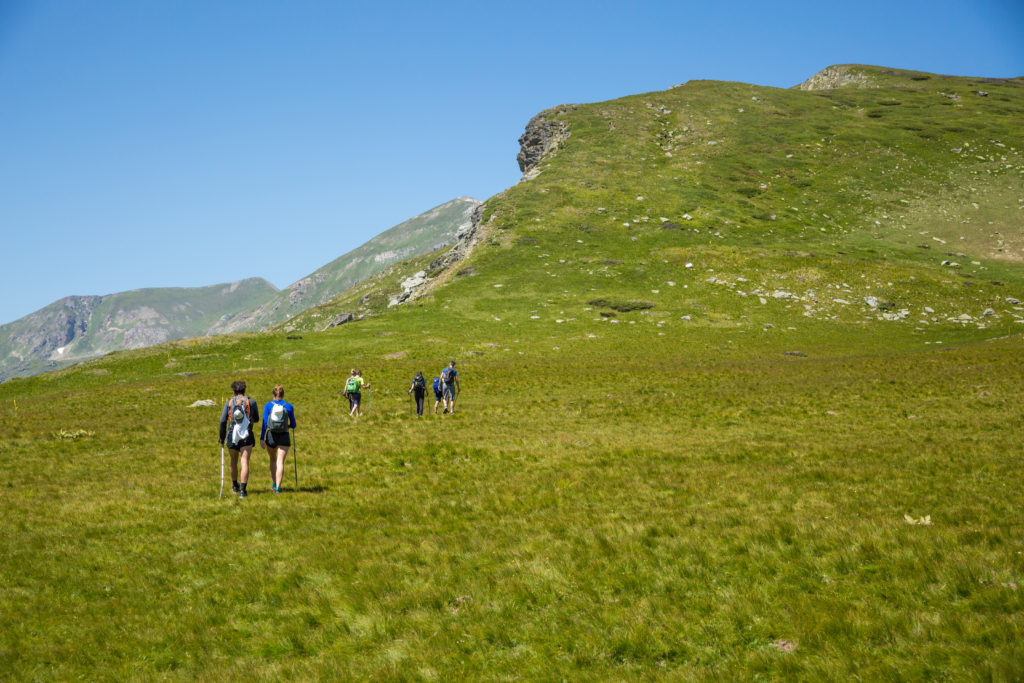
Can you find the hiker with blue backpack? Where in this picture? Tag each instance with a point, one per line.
(278, 418)
(236, 421)
(438, 395)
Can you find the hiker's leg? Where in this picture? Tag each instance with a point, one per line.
(281, 452)
(244, 454)
(234, 464)
(272, 455)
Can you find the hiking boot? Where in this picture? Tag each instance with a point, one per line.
(234, 487)
(242, 493)
(277, 489)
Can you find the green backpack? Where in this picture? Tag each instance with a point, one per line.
(277, 421)
(352, 386)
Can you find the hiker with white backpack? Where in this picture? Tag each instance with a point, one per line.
(278, 418)
(236, 421)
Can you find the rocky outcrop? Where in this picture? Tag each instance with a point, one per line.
(420, 282)
(542, 137)
(837, 76)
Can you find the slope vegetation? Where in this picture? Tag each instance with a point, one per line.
(424, 233)
(725, 414)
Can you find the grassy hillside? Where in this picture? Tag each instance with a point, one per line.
(418, 235)
(733, 447)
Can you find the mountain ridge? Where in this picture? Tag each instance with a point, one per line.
(77, 328)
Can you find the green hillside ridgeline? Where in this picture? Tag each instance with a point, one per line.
(725, 413)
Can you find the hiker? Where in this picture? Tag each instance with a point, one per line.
(419, 386)
(450, 386)
(438, 395)
(278, 417)
(236, 421)
(354, 391)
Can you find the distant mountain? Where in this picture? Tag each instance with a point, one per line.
(419, 235)
(77, 328)
(80, 327)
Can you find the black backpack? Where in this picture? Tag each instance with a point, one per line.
(419, 383)
(448, 375)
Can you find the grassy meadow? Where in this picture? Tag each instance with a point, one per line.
(775, 440)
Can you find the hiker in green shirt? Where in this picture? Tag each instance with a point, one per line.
(354, 391)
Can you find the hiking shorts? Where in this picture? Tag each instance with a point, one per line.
(449, 391)
(437, 394)
(278, 439)
(355, 397)
(248, 441)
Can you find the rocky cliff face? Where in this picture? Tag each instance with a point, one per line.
(46, 333)
(77, 328)
(542, 137)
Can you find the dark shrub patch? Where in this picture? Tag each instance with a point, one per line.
(621, 306)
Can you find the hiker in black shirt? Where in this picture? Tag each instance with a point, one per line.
(419, 389)
(236, 421)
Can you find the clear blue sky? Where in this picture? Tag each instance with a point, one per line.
(185, 143)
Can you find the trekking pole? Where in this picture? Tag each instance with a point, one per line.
(295, 458)
(367, 401)
(412, 405)
(221, 494)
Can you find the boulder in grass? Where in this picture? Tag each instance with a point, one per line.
(203, 403)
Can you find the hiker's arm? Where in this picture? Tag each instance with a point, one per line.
(291, 414)
(223, 424)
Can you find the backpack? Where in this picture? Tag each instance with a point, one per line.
(419, 383)
(437, 384)
(238, 419)
(448, 375)
(238, 408)
(277, 421)
(352, 386)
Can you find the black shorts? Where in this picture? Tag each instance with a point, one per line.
(247, 441)
(278, 439)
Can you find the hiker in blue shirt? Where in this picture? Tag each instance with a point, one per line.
(278, 417)
(450, 386)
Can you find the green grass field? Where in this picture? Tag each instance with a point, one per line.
(712, 451)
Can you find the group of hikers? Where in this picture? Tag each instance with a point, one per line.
(446, 389)
(240, 413)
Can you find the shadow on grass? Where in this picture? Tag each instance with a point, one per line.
(289, 489)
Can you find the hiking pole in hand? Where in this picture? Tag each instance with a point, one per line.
(295, 459)
(367, 400)
(221, 494)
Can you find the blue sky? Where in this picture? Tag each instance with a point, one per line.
(186, 143)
